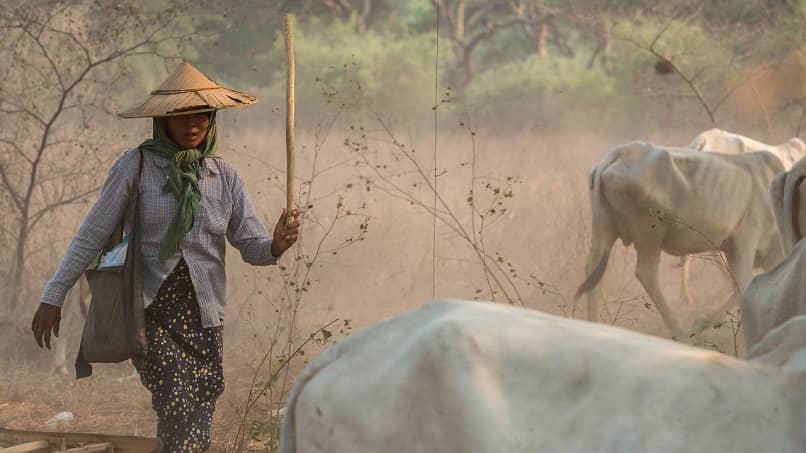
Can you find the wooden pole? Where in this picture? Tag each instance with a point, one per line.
(289, 114)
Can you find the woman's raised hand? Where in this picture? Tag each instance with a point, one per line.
(285, 232)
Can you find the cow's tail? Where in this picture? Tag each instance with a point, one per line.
(603, 229)
(288, 432)
(789, 224)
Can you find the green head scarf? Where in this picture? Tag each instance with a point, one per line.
(183, 180)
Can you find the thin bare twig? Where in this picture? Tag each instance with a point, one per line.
(652, 49)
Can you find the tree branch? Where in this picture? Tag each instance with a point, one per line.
(37, 216)
(15, 196)
(19, 110)
(676, 69)
(47, 56)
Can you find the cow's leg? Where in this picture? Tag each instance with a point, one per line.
(60, 358)
(647, 273)
(60, 344)
(740, 259)
(685, 292)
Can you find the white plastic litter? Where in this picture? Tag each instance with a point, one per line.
(61, 418)
(115, 257)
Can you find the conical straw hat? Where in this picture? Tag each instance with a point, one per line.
(186, 91)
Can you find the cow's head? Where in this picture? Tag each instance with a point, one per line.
(789, 203)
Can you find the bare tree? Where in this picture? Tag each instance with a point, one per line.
(537, 21)
(467, 23)
(604, 44)
(64, 61)
(362, 9)
(665, 65)
(722, 63)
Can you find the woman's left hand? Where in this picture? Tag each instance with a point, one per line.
(285, 232)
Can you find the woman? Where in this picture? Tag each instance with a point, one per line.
(190, 202)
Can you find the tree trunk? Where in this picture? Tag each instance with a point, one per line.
(607, 44)
(16, 283)
(465, 73)
(362, 18)
(542, 41)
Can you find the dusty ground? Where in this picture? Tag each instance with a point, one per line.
(544, 234)
(114, 401)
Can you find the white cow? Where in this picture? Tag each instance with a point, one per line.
(718, 140)
(682, 202)
(780, 293)
(457, 376)
(721, 141)
(783, 346)
(775, 296)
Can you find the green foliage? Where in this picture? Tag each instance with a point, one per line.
(526, 88)
(508, 45)
(757, 14)
(396, 74)
(419, 17)
(689, 46)
(386, 57)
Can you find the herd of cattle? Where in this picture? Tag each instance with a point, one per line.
(459, 376)
(683, 202)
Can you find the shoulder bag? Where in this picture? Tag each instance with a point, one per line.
(114, 330)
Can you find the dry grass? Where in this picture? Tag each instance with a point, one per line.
(111, 401)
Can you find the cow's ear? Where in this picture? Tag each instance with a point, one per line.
(777, 197)
(783, 346)
(800, 211)
(793, 215)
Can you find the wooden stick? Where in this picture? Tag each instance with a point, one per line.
(30, 447)
(289, 115)
(94, 448)
(122, 444)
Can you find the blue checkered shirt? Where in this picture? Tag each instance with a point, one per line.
(225, 211)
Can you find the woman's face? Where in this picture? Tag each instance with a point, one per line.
(188, 131)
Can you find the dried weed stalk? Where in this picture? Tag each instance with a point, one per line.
(346, 227)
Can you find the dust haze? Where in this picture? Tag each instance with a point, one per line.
(512, 220)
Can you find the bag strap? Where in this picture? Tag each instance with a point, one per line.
(133, 284)
(117, 234)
